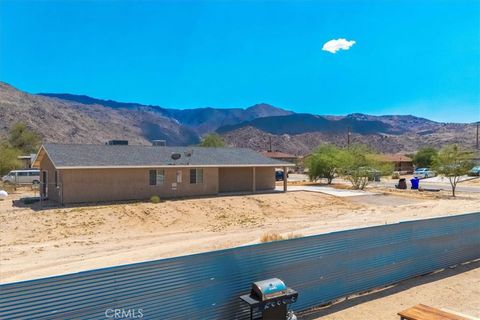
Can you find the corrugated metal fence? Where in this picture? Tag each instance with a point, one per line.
(207, 285)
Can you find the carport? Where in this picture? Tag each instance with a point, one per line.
(248, 179)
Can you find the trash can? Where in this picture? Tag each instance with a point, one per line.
(415, 183)
(402, 184)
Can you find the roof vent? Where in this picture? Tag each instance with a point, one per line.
(159, 143)
(117, 143)
(176, 156)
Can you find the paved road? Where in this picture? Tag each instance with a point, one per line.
(430, 185)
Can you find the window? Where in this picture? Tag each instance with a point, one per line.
(22, 174)
(56, 178)
(157, 177)
(153, 177)
(196, 176)
(160, 176)
(34, 174)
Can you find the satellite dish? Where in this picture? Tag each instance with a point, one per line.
(176, 156)
(188, 153)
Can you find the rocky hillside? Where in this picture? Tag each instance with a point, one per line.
(305, 123)
(301, 144)
(201, 120)
(72, 122)
(300, 133)
(71, 118)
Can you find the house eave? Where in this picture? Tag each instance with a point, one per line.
(278, 165)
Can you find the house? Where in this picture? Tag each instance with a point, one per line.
(26, 161)
(281, 156)
(96, 173)
(400, 162)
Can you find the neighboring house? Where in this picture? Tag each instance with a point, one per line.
(96, 173)
(281, 156)
(27, 161)
(400, 162)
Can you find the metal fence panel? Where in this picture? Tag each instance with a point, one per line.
(207, 285)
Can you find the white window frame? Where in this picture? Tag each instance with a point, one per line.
(198, 176)
(159, 177)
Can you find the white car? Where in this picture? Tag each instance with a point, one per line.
(422, 173)
(22, 177)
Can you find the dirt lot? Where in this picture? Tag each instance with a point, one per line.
(38, 243)
(471, 182)
(455, 290)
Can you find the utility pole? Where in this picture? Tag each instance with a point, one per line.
(348, 137)
(478, 123)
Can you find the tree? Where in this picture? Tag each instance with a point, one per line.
(24, 139)
(8, 158)
(358, 165)
(324, 162)
(453, 162)
(424, 157)
(213, 140)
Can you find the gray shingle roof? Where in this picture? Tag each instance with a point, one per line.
(78, 155)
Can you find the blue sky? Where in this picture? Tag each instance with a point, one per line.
(409, 57)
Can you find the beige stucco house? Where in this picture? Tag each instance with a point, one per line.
(400, 162)
(98, 173)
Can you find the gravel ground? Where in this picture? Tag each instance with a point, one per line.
(456, 290)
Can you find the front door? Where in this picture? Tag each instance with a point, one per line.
(44, 184)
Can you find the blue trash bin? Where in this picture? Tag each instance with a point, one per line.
(415, 183)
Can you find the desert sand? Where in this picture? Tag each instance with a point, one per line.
(37, 243)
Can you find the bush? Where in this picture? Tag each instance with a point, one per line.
(425, 157)
(359, 166)
(155, 199)
(453, 162)
(24, 139)
(324, 162)
(8, 158)
(273, 236)
(213, 140)
(9, 187)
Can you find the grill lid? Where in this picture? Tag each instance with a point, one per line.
(266, 289)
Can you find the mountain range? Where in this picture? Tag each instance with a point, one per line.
(69, 118)
(201, 120)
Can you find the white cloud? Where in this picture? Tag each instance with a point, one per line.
(333, 46)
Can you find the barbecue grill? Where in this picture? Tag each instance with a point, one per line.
(270, 298)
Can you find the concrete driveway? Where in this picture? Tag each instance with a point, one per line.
(328, 190)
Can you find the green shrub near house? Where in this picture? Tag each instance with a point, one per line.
(155, 199)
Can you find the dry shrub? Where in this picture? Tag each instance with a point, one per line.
(10, 188)
(155, 199)
(273, 236)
